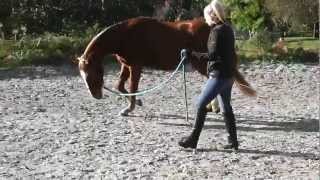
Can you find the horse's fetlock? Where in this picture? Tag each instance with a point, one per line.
(124, 112)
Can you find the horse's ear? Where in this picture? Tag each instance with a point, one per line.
(81, 59)
(75, 60)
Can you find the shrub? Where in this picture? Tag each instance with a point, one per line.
(263, 41)
(301, 55)
(298, 55)
(46, 49)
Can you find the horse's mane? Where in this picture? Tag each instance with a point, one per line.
(99, 37)
(114, 27)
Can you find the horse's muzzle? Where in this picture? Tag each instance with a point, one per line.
(97, 95)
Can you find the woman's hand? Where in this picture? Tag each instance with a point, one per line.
(185, 53)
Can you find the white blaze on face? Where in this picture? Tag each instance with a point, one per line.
(83, 74)
(84, 77)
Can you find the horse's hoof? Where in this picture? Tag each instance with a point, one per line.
(139, 102)
(215, 109)
(208, 110)
(124, 112)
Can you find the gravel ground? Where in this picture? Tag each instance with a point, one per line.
(50, 127)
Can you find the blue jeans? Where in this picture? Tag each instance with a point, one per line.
(214, 87)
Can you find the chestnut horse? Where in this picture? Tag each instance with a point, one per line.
(144, 42)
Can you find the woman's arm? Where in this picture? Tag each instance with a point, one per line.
(211, 55)
(213, 52)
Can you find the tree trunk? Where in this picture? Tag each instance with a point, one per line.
(316, 30)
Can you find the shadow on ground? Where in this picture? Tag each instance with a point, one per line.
(255, 123)
(265, 153)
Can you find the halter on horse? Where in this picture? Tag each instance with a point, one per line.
(144, 42)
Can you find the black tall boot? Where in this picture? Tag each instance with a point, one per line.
(192, 140)
(232, 130)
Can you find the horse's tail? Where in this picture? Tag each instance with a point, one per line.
(241, 82)
(243, 85)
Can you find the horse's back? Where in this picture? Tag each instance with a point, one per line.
(149, 42)
(153, 27)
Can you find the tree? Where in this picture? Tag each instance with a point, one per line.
(5, 13)
(186, 4)
(247, 15)
(174, 10)
(296, 15)
(39, 16)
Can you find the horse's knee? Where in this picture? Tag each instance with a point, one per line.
(120, 87)
(124, 75)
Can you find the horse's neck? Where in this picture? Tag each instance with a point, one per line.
(104, 43)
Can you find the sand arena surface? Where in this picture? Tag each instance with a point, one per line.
(50, 127)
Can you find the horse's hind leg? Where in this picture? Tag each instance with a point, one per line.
(124, 75)
(135, 74)
(120, 85)
(213, 106)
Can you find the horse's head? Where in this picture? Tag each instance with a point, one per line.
(92, 74)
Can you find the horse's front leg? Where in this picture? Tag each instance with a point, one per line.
(135, 74)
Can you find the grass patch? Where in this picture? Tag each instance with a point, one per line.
(46, 49)
(299, 49)
(307, 43)
(49, 48)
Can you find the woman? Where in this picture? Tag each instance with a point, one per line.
(221, 59)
